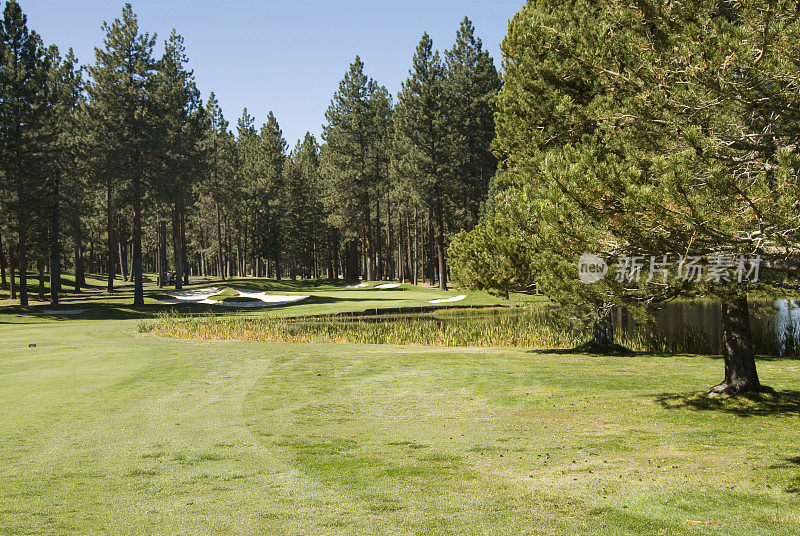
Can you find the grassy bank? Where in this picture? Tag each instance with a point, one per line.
(103, 431)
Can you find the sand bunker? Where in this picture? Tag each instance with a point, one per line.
(388, 285)
(203, 295)
(449, 300)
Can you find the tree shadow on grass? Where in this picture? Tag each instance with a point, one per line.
(587, 349)
(780, 403)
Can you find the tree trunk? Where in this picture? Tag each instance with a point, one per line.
(219, 245)
(123, 264)
(378, 245)
(603, 329)
(136, 268)
(22, 252)
(3, 281)
(737, 350)
(162, 253)
(415, 259)
(366, 248)
(184, 262)
(55, 249)
(431, 250)
(80, 269)
(40, 273)
(176, 247)
(440, 243)
(92, 266)
(110, 231)
(12, 259)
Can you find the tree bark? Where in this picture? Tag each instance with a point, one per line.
(138, 282)
(80, 269)
(40, 273)
(219, 245)
(111, 241)
(55, 246)
(162, 253)
(177, 251)
(431, 250)
(123, 264)
(439, 212)
(603, 329)
(378, 245)
(22, 252)
(3, 281)
(12, 259)
(741, 375)
(184, 262)
(415, 259)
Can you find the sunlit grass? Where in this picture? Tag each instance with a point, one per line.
(105, 431)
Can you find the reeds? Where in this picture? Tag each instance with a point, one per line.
(535, 327)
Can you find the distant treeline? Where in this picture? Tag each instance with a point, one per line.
(120, 167)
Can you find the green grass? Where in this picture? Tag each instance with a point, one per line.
(106, 431)
(326, 297)
(93, 282)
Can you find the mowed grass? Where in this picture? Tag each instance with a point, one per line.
(105, 431)
(325, 297)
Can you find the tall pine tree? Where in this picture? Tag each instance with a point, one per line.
(121, 111)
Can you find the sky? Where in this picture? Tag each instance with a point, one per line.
(284, 56)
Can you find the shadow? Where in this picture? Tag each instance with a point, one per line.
(298, 285)
(780, 403)
(332, 299)
(588, 349)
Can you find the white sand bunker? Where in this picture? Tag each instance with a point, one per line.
(449, 300)
(198, 295)
(388, 285)
(360, 285)
(250, 298)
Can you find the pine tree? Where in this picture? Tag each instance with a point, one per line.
(268, 191)
(24, 97)
(179, 111)
(220, 155)
(353, 161)
(471, 82)
(121, 113)
(422, 141)
(623, 133)
(65, 170)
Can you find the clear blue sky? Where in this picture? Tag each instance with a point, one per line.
(285, 56)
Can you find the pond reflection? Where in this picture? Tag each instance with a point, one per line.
(775, 325)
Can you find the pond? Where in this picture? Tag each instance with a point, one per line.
(675, 327)
(775, 326)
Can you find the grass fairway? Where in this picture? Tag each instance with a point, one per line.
(104, 431)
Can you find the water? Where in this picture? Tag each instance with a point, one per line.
(775, 325)
(676, 327)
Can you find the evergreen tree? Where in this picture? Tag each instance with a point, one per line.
(24, 98)
(122, 111)
(623, 133)
(65, 171)
(301, 207)
(179, 109)
(422, 140)
(220, 154)
(353, 161)
(471, 82)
